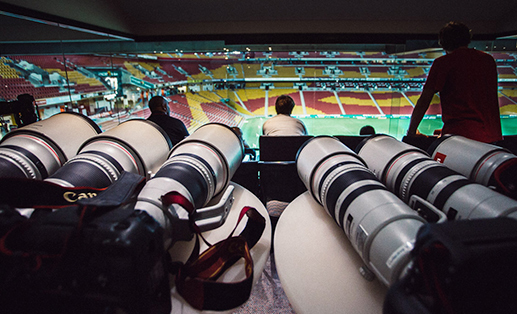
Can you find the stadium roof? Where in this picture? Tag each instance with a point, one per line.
(209, 24)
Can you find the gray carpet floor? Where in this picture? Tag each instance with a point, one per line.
(267, 295)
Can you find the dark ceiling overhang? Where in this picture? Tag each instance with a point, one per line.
(31, 26)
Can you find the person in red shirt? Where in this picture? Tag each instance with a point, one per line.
(466, 80)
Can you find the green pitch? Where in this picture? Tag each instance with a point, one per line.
(350, 125)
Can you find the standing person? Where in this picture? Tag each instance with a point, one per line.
(160, 111)
(467, 82)
(283, 123)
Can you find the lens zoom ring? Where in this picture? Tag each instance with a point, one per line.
(109, 168)
(22, 163)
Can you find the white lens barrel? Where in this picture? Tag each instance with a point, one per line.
(136, 146)
(220, 146)
(378, 224)
(199, 168)
(140, 138)
(407, 171)
(316, 157)
(67, 130)
(475, 201)
(31, 155)
(41, 148)
(381, 150)
(475, 160)
(463, 155)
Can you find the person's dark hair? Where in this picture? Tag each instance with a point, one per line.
(237, 131)
(156, 103)
(454, 35)
(26, 110)
(25, 98)
(367, 130)
(284, 105)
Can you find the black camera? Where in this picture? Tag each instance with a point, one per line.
(92, 258)
(434, 267)
(23, 109)
(100, 256)
(464, 266)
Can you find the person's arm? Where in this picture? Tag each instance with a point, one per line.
(305, 132)
(420, 109)
(264, 128)
(185, 131)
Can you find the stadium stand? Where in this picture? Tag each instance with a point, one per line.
(434, 108)
(508, 102)
(416, 72)
(44, 62)
(6, 71)
(83, 84)
(502, 56)
(190, 69)
(286, 72)
(251, 70)
(505, 101)
(11, 88)
(380, 72)
(232, 103)
(218, 113)
(434, 54)
(373, 54)
(91, 61)
(506, 72)
(323, 102)
(134, 71)
(171, 72)
(352, 72)
(313, 72)
(358, 103)
(255, 100)
(393, 103)
(34, 83)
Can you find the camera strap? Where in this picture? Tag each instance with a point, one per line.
(29, 193)
(196, 280)
(42, 194)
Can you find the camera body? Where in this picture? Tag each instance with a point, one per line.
(464, 266)
(114, 261)
(9, 107)
(108, 252)
(23, 110)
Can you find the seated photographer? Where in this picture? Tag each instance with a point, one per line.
(283, 123)
(26, 110)
(160, 114)
(23, 109)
